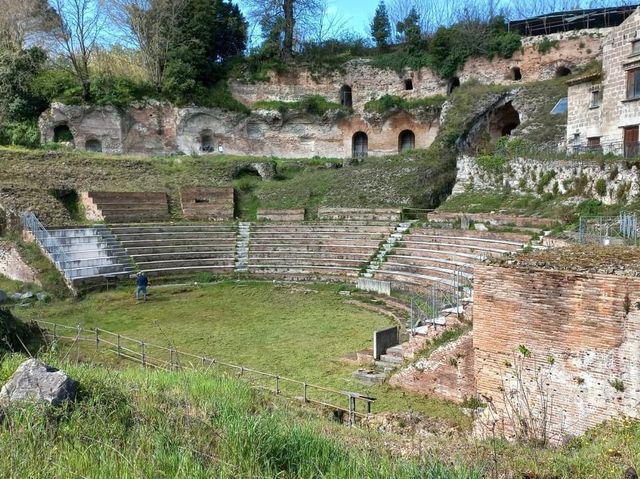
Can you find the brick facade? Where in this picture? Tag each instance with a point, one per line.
(616, 111)
(583, 331)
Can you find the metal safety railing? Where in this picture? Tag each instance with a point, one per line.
(429, 309)
(354, 405)
(48, 243)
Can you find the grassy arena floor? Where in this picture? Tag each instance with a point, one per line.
(295, 330)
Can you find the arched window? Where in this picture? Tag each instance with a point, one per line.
(406, 141)
(62, 133)
(206, 142)
(93, 145)
(408, 84)
(453, 84)
(360, 145)
(516, 74)
(562, 71)
(346, 96)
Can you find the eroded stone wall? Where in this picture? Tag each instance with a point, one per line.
(572, 50)
(582, 334)
(610, 182)
(158, 129)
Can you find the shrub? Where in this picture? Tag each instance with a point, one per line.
(601, 187)
(393, 102)
(545, 179)
(546, 45)
(492, 163)
(313, 104)
(617, 384)
(20, 133)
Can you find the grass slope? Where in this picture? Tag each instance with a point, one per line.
(296, 331)
(134, 423)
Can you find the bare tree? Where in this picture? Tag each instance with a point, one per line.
(150, 26)
(327, 24)
(295, 16)
(79, 26)
(25, 22)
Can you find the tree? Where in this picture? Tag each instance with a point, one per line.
(151, 26)
(380, 26)
(409, 29)
(284, 21)
(79, 25)
(25, 22)
(18, 68)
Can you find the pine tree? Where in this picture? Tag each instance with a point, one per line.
(409, 28)
(380, 26)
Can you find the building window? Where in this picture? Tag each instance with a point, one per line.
(635, 47)
(633, 83)
(596, 99)
(593, 143)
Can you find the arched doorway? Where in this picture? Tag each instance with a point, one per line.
(562, 71)
(406, 141)
(207, 144)
(62, 134)
(360, 145)
(93, 145)
(516, 74)
(452, 85)
(346, 98)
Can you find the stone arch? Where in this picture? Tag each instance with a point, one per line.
(454, 83)
(62, 133)
(94, 145)
(408, 84)
(346, 96)
(516, 74)
(406, 141)
(562, 71)
(360, 145)
(207, 141)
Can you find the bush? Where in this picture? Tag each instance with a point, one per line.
(546, 45)
(23, 133)
(492, 163)
(392, 102)
(601, 187)
(313, 104)
(545, 179)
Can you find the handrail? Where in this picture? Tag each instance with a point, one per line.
(50, 244)
(145, 357)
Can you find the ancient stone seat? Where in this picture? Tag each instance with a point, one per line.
(359, 214)
(314, 250)
(181, 249)
(123, 207)
(207, 204)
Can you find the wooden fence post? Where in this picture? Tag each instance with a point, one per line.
(119, 348)
(304, 392)
(277, 385)
(144, 359)
(97, 338)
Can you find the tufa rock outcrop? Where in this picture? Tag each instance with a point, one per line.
(34, 381)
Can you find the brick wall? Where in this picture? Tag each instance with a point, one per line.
(583, 331)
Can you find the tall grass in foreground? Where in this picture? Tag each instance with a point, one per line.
(136, 423)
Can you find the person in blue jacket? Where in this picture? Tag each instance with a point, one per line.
(141, 286)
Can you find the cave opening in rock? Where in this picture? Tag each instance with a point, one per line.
(452, 85)
(62, 134)
(562, 71)
(360, 145)
(207, 143)
(346, 98)
(516, 74)
(93, 145)
(406, 141)
(503, 121)
(408, 84)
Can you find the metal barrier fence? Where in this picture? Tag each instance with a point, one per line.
(50, 244)
(355, 405)
(604, 229)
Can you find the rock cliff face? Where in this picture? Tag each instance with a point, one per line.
(160, 129)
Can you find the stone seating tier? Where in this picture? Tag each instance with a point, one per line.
(359, 214)
(119, 207)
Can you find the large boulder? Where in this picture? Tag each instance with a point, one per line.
(34, 381)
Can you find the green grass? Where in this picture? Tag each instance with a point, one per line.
(298, 331)
(312, 104)
(135, 423)
(392, 102)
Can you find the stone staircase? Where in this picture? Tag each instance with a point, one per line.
(242, 247)
(391, 359)
(394, 238)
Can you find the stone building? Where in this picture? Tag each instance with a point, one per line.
(604, 107)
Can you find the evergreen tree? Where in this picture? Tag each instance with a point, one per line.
(380, 26)
(409, 29)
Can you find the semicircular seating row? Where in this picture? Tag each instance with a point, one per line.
(327, 251)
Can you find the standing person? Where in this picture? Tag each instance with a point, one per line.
(141, 285)
(220, 148)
